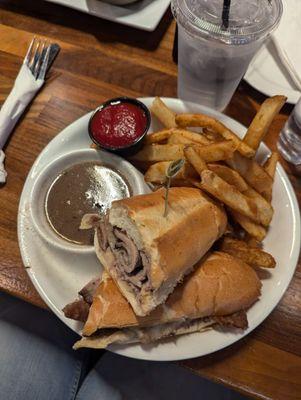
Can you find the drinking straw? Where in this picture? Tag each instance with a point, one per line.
(225, 15)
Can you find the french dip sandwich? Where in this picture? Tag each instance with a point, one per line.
(146, 253)
(219, 291)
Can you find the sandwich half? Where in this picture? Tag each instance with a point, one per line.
(146, 253)
(219, 291)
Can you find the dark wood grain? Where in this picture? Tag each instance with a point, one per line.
(100, 60)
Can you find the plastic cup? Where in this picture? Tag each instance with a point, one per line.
(213, 58)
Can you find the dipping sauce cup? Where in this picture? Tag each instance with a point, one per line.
(120, 125)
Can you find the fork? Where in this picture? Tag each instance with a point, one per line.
(29, 81)
(37, 57)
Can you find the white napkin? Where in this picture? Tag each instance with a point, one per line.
(22, 93)
(286, 39)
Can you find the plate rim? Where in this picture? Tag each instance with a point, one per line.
(263, 315)
(150, 26)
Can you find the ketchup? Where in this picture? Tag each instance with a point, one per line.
(118, 124)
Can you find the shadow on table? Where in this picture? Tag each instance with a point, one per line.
(103, 30)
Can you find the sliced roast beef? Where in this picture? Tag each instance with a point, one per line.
(78, 310)
(101, 237)
(131, 264)
(126, 252)
(236, 320)
(87, 292)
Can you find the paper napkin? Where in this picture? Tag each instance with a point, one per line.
(24, 90)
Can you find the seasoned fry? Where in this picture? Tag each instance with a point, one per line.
(195, 160)
(252, 242)
(188, 182)
(271, 164)
(270, 167)
(263, 120)
(263, 206)
(233, 178)
(216, 151)
(156, 173)
(175, 138)
(252, 172)
(163, 113)
(184, 136)
(158, 137)
(252, 256)
(159, 152)
(252, 228)
(197, 183)
(232, 197)
(229, 175)
(212, 136)
(204, 121)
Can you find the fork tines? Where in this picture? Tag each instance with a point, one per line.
(37, 57)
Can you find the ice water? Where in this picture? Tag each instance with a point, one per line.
(209, 73)
(214, 51)
(289, 144)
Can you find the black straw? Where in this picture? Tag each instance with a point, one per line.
(226, 12)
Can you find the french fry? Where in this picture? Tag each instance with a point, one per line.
(233, 178)
(252, 172)
(263, 120)
(175, 138)
(159, 152)
(252, 228)
(216, 151)
(197, 184)
(204, 121)
(184, 136)
(158, 137)
(229, 175)
(164, 114)
(252, 256)
(229, 229)
(263, 206)
(195, 160)
(232, 197)
(156, 173)
(271, 164)
(212, 136)
(270, 167)
(182, 182)
(252, 242)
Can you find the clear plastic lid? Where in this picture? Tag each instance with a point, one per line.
(247, 21)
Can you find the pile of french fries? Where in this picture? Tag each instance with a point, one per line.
(222, 165)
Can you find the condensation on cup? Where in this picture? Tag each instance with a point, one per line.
(213, 59)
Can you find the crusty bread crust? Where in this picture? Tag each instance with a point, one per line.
(173, 243)
(220, 285)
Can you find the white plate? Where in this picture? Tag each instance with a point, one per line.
(145, 14)
(268, 76)
(59, 275)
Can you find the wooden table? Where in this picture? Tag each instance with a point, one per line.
(100, 60)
